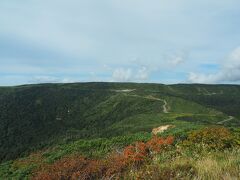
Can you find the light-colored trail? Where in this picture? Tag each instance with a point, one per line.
(165, 105)
(226, 120)
(165, 110)
(124, 90)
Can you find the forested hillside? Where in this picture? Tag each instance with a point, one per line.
(37, 116)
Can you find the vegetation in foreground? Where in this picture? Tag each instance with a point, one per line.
(208, 153)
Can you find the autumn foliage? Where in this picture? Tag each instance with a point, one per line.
(157, 144)
(78, 167)
(216, 138)
(138, 152)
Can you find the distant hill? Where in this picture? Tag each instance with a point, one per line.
(36, 116)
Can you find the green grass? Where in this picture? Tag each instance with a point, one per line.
(22, 168)
(95, 147)
(46, 116)
(207, 165)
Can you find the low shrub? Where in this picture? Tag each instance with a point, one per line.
(157, 144)
(137, 153)
(154, 171)
(78, 167)
(215, 138)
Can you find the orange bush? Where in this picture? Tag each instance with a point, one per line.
(60, 169)
(93, 169)
(115, 164)
(157, 144)
(137, 153)
(78, 167)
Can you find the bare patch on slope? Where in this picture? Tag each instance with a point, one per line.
(124, 90)
(161, 129)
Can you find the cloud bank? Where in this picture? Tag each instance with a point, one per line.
(130, 75)
(145, 41)
(229, 71)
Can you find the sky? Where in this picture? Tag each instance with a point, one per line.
(155, 41)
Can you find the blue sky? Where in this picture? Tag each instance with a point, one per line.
(158, 41)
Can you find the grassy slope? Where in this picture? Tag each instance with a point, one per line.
(37, 116)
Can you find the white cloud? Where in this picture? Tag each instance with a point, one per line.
(67, 80)
(203, 78)
(177, 58)
(44, 79)
(234, 59)
(177, 61)
(122, 75)
(142, 74)
(78, 37)
(229, 72)
(50, 79)
(129, 74)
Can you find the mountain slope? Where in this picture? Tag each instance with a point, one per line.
(36, 116)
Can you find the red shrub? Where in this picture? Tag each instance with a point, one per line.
(157, 144)
(115, 164)
(61, 169)
(93, 169)
(78, 167)
(136, 154)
